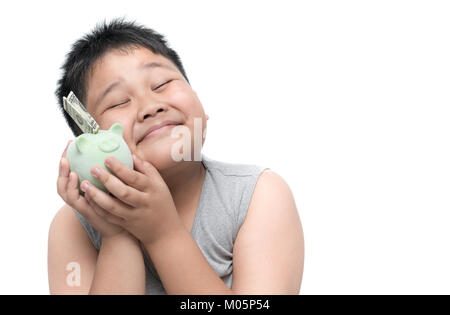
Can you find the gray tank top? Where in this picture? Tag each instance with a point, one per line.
(224, 200)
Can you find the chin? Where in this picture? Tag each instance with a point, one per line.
(159, 155)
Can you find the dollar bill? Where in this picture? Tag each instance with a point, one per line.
(79, 114)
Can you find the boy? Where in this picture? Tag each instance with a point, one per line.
(176, 227)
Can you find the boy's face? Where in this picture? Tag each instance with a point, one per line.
(139, 90)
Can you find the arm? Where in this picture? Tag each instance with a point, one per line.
(117, 268)
(182, 267)
(272, 230)
(143, 206)
(120, 267)
(268, 253)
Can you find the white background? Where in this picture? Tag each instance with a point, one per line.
(347, 100)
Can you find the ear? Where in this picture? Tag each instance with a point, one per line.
(117, 129)
(81, 143)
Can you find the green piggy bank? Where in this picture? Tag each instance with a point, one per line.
(89, 150)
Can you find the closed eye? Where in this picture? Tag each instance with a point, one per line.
(163, 84)
(120, 104)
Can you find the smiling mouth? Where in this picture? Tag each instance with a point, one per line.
(158, 131)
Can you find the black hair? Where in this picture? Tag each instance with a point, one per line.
(117, 34)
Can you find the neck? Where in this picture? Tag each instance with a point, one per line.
(184, 180)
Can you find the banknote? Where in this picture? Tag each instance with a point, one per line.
(79, 114)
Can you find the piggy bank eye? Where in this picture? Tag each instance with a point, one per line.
(108, 145)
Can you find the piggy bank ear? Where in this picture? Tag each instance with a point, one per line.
(81, 142)
(117, 129)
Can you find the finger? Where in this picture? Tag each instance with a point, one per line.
(63, 174)
(74, 199)
(64, 164)
(83, 207)
(145, 167)
(80, 203)
(63, 179)
(103, 213)
(65, 150)
(73, 193)
(116, 187)
(129, 176)
(105, 201)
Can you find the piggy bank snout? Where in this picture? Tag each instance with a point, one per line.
(108, 145)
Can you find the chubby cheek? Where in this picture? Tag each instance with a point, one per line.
(189, 104)
(186, 101)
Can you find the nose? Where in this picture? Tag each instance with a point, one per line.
(151, 109)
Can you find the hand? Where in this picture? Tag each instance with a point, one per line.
(140, 202)
(67, 186)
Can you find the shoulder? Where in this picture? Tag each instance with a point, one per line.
(272, 200)
(271, 233)
(272, 183)
(272, 187)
